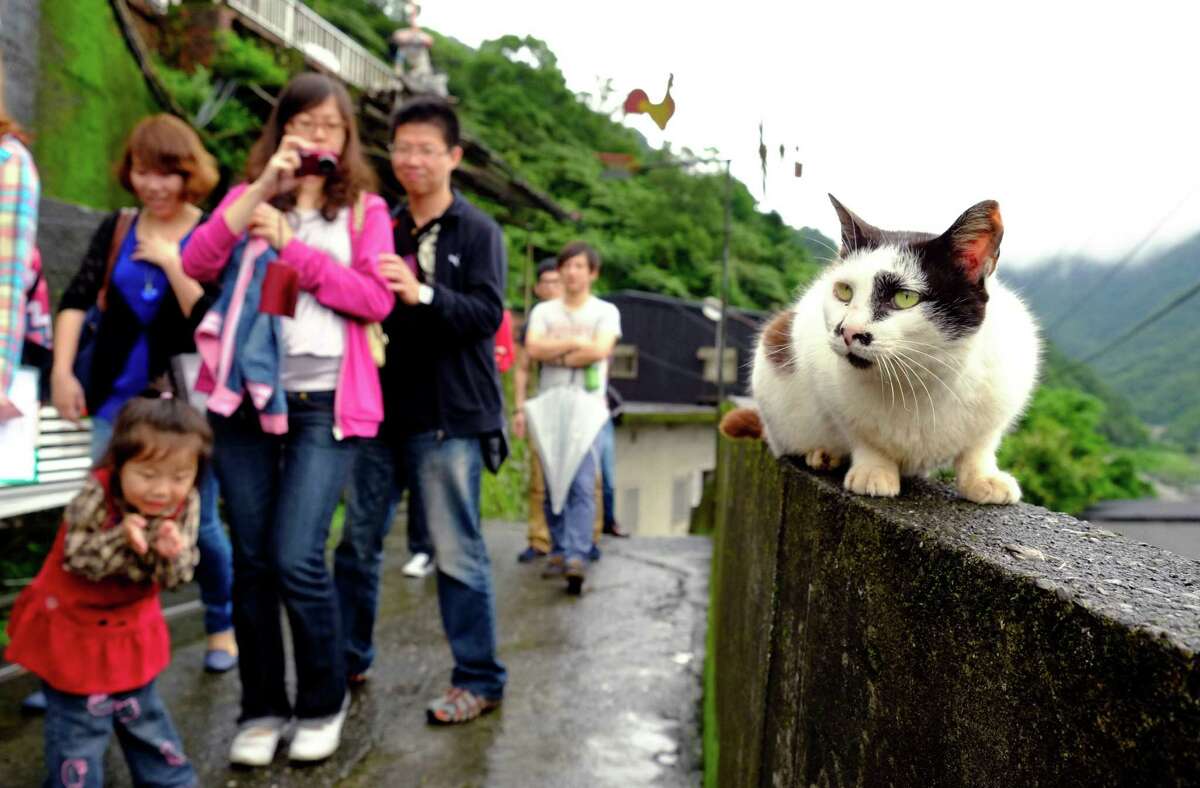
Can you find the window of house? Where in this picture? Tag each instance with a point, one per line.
(624, 364)
(709, 355)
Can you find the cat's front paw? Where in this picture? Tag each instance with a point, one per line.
(822, 460)
(996, 488)
(874, 480)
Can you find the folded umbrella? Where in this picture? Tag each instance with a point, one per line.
(564, 423)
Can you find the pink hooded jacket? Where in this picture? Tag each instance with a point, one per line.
(357, 292)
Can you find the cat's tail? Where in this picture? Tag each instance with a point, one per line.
(742, 423)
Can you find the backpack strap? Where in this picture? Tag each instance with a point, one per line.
(124, 221)
(360, 212)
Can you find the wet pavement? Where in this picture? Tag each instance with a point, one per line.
(604, 690)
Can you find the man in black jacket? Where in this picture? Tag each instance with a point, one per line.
(442, 409)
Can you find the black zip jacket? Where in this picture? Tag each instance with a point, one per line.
(167, 335)
(441, 374)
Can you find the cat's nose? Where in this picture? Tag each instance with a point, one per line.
(852, 333)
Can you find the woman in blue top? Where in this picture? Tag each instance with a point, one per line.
(149, 312)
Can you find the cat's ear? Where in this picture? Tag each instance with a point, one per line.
(974, 240)
(856, 234)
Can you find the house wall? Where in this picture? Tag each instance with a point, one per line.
(659, 468)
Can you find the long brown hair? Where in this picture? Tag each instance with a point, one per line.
(353, 175)
(7, 124)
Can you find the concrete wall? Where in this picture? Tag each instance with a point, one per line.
(64, 231)
(905, 642)
(655, 463)
(19, 25)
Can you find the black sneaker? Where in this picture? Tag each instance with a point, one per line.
(529, 554)
(613, 529)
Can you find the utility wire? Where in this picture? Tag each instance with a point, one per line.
(1158, 315)
(1070, 311)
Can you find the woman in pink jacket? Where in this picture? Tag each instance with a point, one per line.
(307, 194)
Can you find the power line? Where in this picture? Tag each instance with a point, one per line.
(1070, 311)
(1161, 313)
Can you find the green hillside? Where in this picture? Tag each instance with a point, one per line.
(659, 229)
(1085, 307)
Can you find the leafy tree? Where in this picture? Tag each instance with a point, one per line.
(1062, 460)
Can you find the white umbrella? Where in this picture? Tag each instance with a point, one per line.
(564, 423)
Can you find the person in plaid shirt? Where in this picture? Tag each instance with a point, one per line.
(19, 188)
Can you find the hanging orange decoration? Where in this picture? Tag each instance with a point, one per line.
(638, 103)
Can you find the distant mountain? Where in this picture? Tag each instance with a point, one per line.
(1085, 306)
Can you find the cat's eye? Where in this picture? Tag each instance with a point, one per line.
(843, 291)
(906, 299)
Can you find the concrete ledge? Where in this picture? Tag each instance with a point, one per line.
(927, 641)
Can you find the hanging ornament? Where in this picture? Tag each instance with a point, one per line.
(762, 157)
(637, 103)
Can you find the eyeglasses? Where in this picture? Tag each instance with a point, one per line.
(421, 152)
(308, 125)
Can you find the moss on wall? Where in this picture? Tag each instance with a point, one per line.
(90, 95)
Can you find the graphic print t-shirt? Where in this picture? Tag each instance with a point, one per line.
(553, 320)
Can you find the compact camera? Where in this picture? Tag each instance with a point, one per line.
(317, 162)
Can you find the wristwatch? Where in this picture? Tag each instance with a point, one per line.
(425, 294)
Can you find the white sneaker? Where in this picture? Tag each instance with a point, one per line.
(256, 740)
(420, 565)
(317, 739)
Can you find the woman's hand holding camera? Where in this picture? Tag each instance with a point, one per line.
(280, 173)
(269, 223)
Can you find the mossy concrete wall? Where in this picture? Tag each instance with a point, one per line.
(90, 93)
(927, 641)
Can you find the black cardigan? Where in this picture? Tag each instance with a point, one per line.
(168, 334)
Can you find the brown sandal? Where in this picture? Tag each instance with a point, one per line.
(457, 706)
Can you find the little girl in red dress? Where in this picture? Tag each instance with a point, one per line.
(90, 625)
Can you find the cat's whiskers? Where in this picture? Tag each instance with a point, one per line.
(934, 375)
(905, 369)
(906, 344)
(932, 407)
(884, 369)
(894, 371)
(828, 246)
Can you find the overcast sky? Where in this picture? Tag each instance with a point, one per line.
(1082, 119)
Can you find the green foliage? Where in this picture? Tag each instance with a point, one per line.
(1062, 460)
(90, 94)
(359, 19)
(248, 61)
(505, 495)
(1158, 369)
(660, 229)
(1121, 424)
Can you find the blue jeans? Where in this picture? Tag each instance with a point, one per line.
(571, 529)
(78, 727)
(371, 500)
(101, 434)
(215, 571)
(282, 491)
(608, 471)
(447, 472)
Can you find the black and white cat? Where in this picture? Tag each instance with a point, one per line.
(905, 355)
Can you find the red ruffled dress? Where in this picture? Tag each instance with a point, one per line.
(86, 637)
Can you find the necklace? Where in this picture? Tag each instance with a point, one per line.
(149, 291)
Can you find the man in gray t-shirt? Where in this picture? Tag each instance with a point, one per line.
(573, 337)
